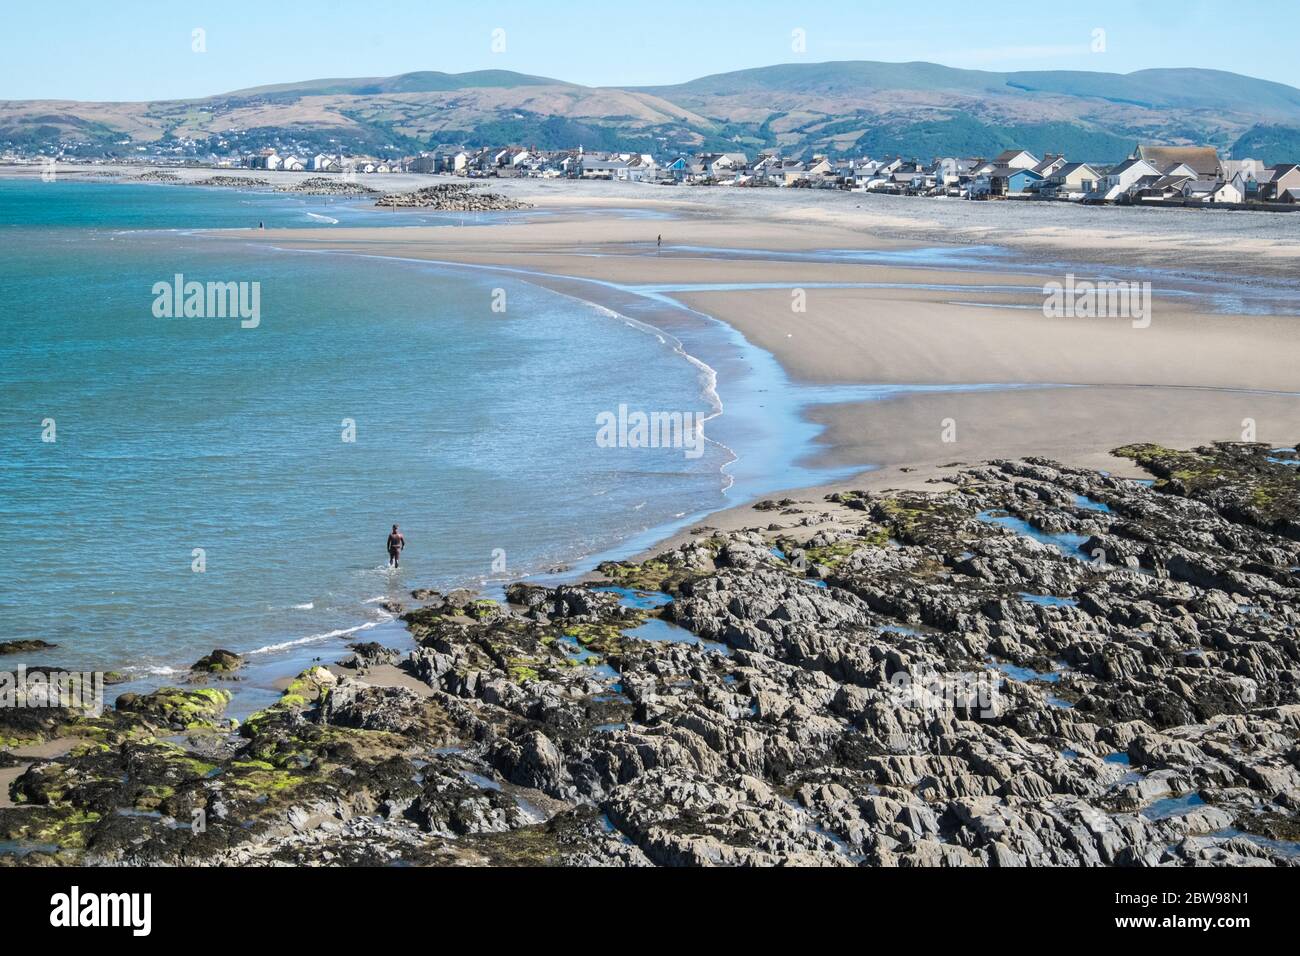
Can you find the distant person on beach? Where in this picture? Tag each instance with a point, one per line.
(659, 243)
(395, 545)
(261, 225)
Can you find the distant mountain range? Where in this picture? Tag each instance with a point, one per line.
(917, 110)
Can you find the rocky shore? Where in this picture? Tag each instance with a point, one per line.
(451, 197)
(325, 186)
(1027, 665)
(231, 182)
(157, 176)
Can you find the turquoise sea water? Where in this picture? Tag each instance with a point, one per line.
(475, 429)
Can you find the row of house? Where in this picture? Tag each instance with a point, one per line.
(515, 161)
(270, 159)
(1186, 174)
(1196, 174)
(1151, 174)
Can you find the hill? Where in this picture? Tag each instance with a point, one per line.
(848, 107)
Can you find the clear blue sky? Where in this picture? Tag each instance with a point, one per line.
(133, 49)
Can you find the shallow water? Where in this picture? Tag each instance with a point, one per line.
(1047, 600)
(1221, 293)
(475, 430)
(1173, 806)
(658, 630)
(1068, 544)
(1088, 504)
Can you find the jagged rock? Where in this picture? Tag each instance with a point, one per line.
(922, 678)
(371, 654)
(218, 662)
(175, 708)
(366, 707)
(450, 197)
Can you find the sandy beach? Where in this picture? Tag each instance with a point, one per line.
(1189, 377)
(555, 722)
(1190, 242)
(907, 291)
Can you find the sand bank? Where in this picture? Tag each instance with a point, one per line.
(1190, 376)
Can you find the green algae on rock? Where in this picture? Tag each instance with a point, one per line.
(176, 708)
(1155, 664)
(218, 662)
(1239, 480)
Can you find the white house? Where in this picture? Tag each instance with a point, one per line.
(767, 166)
(719, 165)
(1122, 178)
(593, 168)
(1017, 159)
(1229, 193)
(1050, 165)
(947, 172)
(1074, 180)
(819, 168)
(266, 159)
(640, 167)
(1200, 190)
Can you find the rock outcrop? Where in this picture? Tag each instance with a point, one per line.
(450, 197)
(1030, 665)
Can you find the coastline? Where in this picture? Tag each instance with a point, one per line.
(518, 733)
(853, 444)
(860, 444)
(1190, 243)
(1199, 357)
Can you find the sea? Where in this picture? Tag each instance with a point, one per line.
(174, 484)
(171, 483)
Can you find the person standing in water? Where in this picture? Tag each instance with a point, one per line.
(395, 545)
(659, 243)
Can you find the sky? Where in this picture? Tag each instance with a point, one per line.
(144, 49)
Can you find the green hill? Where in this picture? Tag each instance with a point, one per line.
(839, 108)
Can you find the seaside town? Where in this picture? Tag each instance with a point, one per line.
(1151, 175)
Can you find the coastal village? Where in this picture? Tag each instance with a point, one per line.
(1195, 176)
(1177, 175)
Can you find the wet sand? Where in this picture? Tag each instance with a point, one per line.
(1189, 377)
(1191, 241)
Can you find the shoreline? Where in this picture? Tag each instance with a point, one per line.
(937, 653)
(829, 420)
(1185, 242)
(728, 701)
(837, 477)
